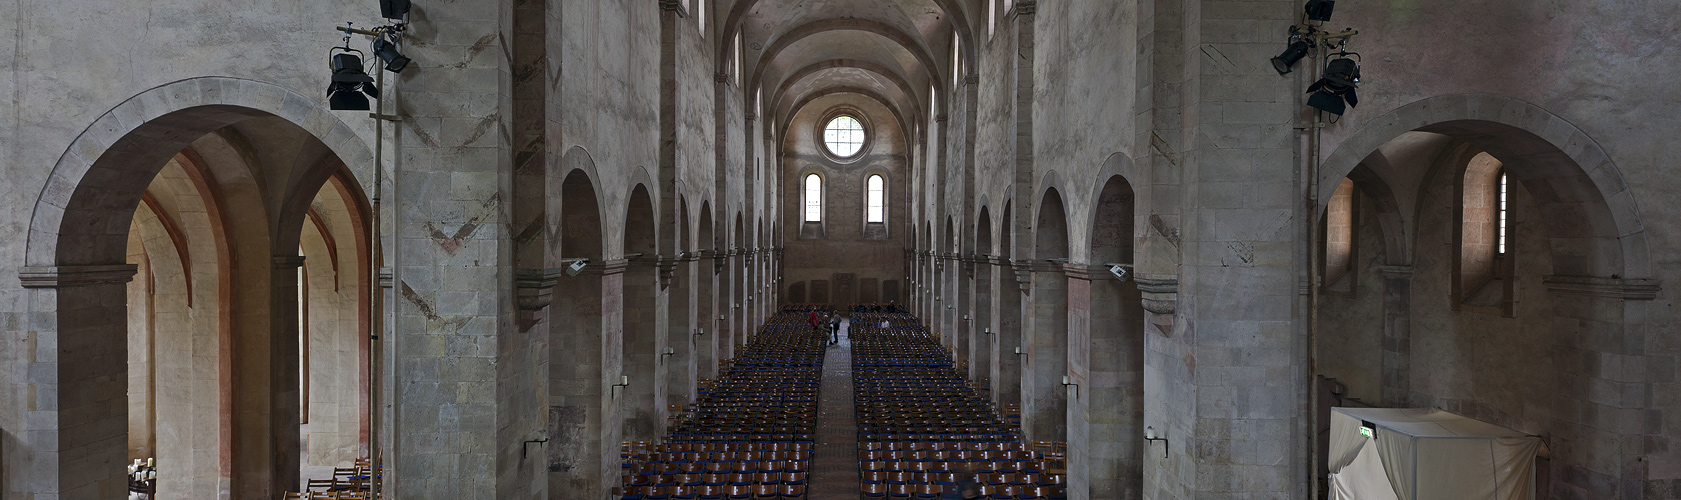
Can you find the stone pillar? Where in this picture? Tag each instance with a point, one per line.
(1397, 335)
(285, 412)
(72, 440)
(1006, 370)
(1105, 409)
(981, 326)
(1599, 327)
(681, 367)
(454, 269)
(1045, 338)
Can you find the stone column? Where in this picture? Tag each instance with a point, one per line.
(1227, 386)
(1600, 325)
(72, 440)
(454, 268)
(1045, 338)
(284, 380)
(981, 326)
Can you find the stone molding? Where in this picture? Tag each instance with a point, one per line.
(283, 262)
(722, 77)
(533, 292)
(386, 278)
(1396, 272)
(77, 276)
(972, 79)
(674, 5)
(1160, 293)
(1026, 7)
(1605, 288)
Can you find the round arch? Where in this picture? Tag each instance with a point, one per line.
(1587, 200)
(132, 141)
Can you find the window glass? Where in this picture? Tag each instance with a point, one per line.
(877, 201)
(1501, 212)
(813, 198)
(844, 136)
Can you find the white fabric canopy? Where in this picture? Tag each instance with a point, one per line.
(1427, 454)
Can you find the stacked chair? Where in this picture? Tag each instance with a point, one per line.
(923, 430)
(750, 433)
(143, 478)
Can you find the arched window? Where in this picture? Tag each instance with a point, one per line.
(700, 16)
(813, 198)
(1341, 220)
(1484, 266)
(876, 200)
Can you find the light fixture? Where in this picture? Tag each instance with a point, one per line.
(987, 331)
(349, 81)
(577, 266)
(1020, 352)
(965, 317)
(1319, 10)
(1068, 381)
(624, 381)
(1119, 271)
(700, 332)
(386, 49)
(1150, 435)
(1295, 51)
(668, 352)
(393, 9)
(1334, 92)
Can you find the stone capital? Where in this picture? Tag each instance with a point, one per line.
(386, 277)
(76, 276)
(1605, 288)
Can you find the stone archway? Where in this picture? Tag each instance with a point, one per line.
(75, 263)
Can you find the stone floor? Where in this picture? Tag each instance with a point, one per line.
(834, 468)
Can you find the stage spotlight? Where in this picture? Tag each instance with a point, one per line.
(1319, 10)
(1119, 272)
(1336, 88)
(349, 82)
(577, 266)
(386, 50)
(1292, 53)
(393, 9)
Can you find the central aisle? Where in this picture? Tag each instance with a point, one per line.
(834, 469)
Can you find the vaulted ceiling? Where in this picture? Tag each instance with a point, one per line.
(799, 50)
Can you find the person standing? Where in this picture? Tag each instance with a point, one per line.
(834, 330)
(812, 320)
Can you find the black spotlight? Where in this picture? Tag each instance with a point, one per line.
(349, 83)
(393, 9)
(387, 51)
(1317, 10)
(1336, 88)
(1292, 53)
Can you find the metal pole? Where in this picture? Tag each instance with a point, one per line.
(375, 472)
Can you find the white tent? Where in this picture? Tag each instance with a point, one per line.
(1411, 454)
